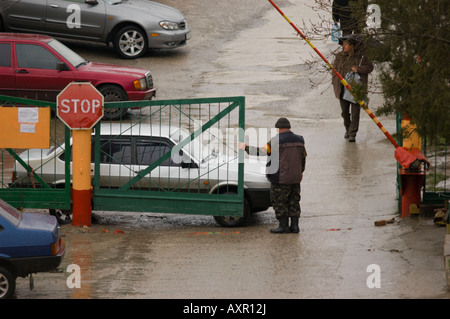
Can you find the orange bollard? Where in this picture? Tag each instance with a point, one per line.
(81, 174)
(410, 190)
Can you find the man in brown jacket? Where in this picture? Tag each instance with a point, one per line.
(286, 162)
(350, 59)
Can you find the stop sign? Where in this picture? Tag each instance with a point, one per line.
(80, 105)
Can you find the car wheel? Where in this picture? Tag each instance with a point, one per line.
(235, 221)
(63, 216)
(130, 42)
(7, 283)
(113, 93)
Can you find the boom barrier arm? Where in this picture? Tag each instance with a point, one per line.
(343, 81)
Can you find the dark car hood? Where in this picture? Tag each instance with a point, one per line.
(113, 68)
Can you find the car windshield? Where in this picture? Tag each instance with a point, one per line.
(201, 148)
(192, 148)
(10, 213)
(67, 53)
(113, 1)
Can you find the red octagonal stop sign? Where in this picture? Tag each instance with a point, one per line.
(80, 105)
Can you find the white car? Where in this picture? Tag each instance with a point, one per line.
(127, 149)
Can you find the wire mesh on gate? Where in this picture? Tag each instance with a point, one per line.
(171, 146)
(437, 182)
(36, 178)
(30, 168)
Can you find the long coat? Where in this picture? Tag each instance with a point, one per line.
(343, 63)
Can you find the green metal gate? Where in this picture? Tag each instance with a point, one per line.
(31, 189)
(123, 182)
(436, 185)
(161, 158)
(436, 188)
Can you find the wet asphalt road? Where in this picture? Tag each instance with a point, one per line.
(246, 48)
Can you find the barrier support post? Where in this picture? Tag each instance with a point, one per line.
(81, 185)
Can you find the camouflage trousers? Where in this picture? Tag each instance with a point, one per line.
(285, 200)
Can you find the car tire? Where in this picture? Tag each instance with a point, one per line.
(235, 221)
(63, 216)
(130, 42)
(113, 93)
(7, 283)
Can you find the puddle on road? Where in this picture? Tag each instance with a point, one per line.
(109, 259)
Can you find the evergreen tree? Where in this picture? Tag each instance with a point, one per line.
(412, 48)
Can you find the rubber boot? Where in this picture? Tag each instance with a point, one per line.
(294, 225)
(283, 227)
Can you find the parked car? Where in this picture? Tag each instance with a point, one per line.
(125, 151)
(39, 67)
(131, 26)
(29, 243)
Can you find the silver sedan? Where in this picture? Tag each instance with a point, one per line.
(132, 26)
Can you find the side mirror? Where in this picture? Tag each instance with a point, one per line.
(91, 2)
(61, 66)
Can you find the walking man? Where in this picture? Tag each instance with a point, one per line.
(286, 162)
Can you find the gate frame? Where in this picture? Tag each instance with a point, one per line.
(429, 197)
(173, 202)
(44, 197)
(47, 197)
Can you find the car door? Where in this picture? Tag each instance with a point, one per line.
(75, 19)
(172, 174)
(36, 73)
(24, 15)
(7, 73)
(149, 151)
(115, 160)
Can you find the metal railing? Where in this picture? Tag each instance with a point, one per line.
(437, 182)
(24, 181)
(171, 156)
(436, 185)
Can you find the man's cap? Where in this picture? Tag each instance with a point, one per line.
(283, 123)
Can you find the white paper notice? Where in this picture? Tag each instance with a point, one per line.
(27, 128)
(28, 115)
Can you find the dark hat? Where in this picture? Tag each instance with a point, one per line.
(344, 38)
(283, 123)
(353, 39)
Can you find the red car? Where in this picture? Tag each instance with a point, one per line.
(39, 67)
